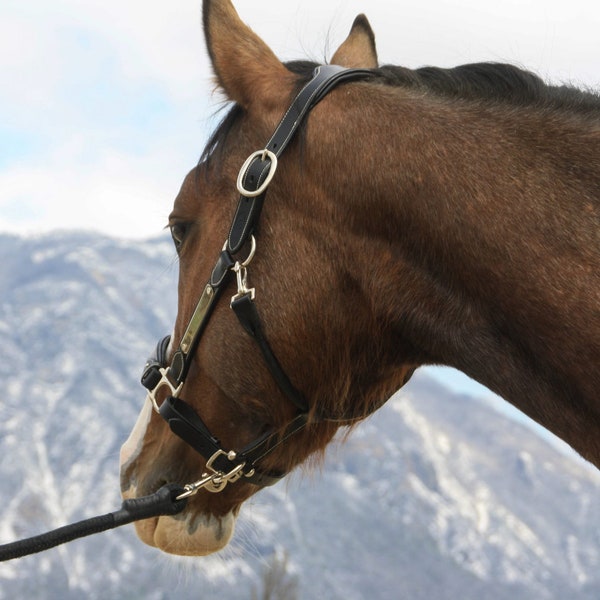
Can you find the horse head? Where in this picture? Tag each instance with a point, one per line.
(412, 217)
(304, 273)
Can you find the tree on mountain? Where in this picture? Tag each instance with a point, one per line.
(277, 581)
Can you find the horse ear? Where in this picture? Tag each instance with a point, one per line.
(245, 67)
(358, 51)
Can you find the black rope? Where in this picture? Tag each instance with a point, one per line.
(162, 502)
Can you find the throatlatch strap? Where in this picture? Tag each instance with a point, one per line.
(246, 312)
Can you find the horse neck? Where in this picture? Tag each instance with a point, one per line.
(486, 245)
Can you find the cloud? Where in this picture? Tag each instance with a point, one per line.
(109, 196)
(105, 108)
(105, 104)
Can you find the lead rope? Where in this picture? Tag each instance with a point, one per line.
(168, 500)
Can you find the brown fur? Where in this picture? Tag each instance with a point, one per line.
(410, 227)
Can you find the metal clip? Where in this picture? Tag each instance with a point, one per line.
(191, 489)
(241, 273)
(242, 283)
(216, 481)
(220, 479)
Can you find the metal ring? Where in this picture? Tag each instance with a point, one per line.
(250, 256)
(265, 184)
(248, 259)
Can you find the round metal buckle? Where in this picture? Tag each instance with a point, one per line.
(263, 154)
(164, 381)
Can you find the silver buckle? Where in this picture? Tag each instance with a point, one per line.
(265, 184)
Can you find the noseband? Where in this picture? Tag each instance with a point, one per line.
(226, 466)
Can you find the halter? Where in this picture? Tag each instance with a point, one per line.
(226, 466)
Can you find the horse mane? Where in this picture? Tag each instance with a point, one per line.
(489, 82)
(493, 82)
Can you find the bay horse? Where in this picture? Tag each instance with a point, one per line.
(429, 216)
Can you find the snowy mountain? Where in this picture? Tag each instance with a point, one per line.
(437, 496)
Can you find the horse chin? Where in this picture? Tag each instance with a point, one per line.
(188, 534)
(210, 534)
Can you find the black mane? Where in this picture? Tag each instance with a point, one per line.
(494, 82)
(490, 82)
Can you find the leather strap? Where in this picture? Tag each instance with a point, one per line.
(248, 211)
(325, 78)
(246, 312)
(151, 376)
(185, 423)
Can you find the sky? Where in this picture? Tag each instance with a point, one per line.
(105, 105)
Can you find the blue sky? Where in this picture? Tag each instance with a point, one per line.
(107, 104)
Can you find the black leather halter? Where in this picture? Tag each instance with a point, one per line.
(223, 466)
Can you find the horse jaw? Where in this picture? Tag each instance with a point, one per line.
(187, 534)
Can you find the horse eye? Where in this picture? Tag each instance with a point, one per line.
(178, 233)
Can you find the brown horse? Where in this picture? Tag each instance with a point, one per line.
(419, 217)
